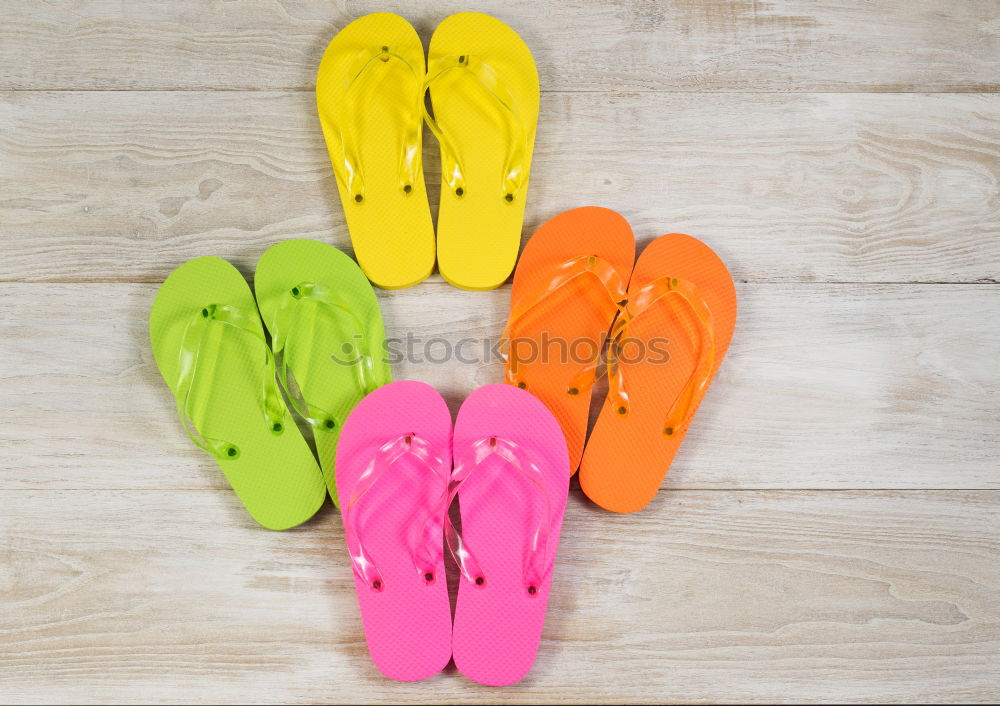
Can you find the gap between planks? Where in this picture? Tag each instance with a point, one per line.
(819, 188)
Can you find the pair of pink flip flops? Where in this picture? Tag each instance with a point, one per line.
(400, 465)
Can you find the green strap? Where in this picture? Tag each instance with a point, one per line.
(515, 163)
(289, 325)
(192, 360)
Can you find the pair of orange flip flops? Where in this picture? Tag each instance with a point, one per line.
(666, 323)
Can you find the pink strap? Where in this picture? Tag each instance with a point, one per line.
(427, 550)
(517, 457)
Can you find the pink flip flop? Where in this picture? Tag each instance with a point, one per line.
(511, 477)
(393, 468)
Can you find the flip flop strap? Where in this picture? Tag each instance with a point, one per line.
(192, 361)
(350, 171)
(515, 170)
(702, 337)
(426, 550)
(598, 269)
(513, 455)
(289, 327)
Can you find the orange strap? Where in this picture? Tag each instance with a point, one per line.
(648, 295)
(601, 270)
(629, 310)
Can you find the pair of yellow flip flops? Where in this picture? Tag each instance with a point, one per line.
(483, 88)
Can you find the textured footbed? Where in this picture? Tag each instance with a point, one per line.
(498, 625)
(275, 474)
(478, 234)
(316, 346)
(392, 231)
(408, 624)
(579, 314)
(628, 456)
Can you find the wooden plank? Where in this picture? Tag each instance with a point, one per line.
(686, 45)
(176, 596)
(107, 186)
(825, 386)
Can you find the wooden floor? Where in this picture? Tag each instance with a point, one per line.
(831, 528)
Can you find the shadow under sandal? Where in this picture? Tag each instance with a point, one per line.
(484, 89)
(327, 336)
(393, 468)
(209, 345)
(370, 92)
(511, 478)
(573, 273)
(666, 347)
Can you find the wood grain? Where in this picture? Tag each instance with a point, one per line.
(829, 531)
(175, 596)
(824, 386)
(843, 188)
(636, 45)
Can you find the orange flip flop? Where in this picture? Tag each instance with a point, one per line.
(665, 350)
(568, 282)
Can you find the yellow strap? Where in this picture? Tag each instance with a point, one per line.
(350, 171)
(515, 167)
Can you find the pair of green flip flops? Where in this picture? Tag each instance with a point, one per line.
(326, 352)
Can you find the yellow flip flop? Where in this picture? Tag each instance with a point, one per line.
(369, 92)
(484, 92)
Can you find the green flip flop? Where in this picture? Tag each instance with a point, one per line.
(209, 345)
(327, 336)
